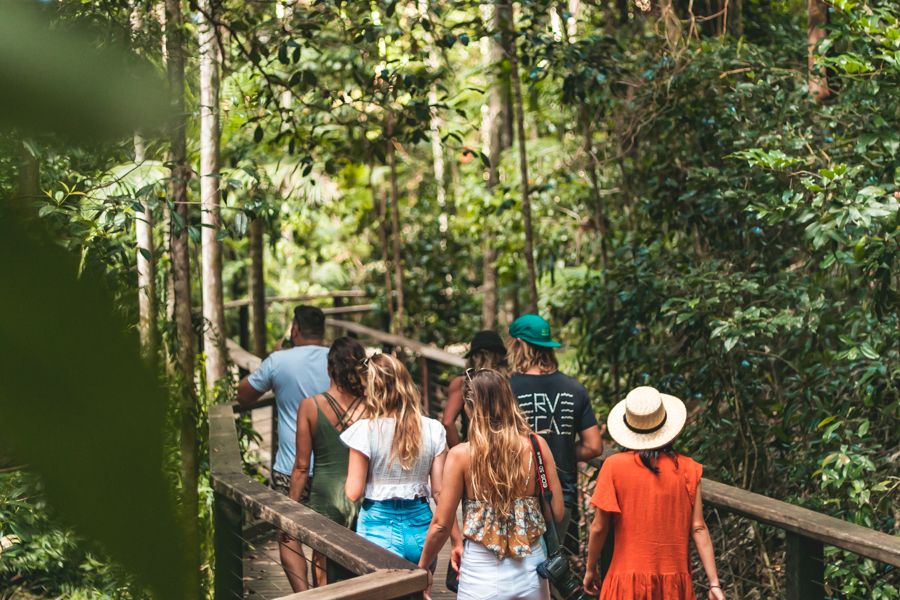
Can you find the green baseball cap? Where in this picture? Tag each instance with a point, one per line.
(533, 329)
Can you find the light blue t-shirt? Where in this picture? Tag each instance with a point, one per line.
(293, 374)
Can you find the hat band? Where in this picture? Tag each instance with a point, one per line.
(656, 427)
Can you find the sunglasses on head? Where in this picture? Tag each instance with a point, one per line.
(472, 372)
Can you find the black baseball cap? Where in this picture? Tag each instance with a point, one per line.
(487, 340)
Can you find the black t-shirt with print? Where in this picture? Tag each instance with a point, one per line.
(557, 407)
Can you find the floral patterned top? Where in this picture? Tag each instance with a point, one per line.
(511, 534)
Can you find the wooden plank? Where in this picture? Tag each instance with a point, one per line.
(380, 585)
(316, 531)
(242, 358)
(432, 352)
(303, 298)
(808, 523)
(267, 399)
(224, 452)
(804, 568)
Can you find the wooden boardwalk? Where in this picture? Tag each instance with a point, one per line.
(265, 580)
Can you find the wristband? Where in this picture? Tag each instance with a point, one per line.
(712, 585)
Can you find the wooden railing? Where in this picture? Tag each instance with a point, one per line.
(338, 307)
(380, 574)
(807, 532)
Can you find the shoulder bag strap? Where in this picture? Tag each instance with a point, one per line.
(545, 496)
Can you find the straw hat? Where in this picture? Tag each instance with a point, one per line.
(646, 419)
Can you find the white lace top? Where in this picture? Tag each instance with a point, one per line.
(386, 479)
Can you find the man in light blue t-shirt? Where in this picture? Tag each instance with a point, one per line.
(293, 374)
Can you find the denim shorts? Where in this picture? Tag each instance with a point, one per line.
(396, 525)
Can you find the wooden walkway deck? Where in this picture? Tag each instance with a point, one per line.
(264, 578)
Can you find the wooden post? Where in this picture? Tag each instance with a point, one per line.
(805, 568)
(426, 384)
(229, 575)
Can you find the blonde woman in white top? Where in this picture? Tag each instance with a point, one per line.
(396, 461)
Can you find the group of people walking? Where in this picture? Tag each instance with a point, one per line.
(354, 445)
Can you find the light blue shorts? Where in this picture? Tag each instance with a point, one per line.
(396, 525)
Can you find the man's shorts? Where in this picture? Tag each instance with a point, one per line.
(281, 483)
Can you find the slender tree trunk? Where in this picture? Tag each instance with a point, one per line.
(396, 241)
(523, 174)
(383, 227)
(143, 233)
(817, 18)
(496, 135)
(28, 188)
(600, 220)
(180, 171)
(257, 288)
(210, 198)
(437, 147)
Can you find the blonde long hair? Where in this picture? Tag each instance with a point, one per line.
(523, 356)
(495, 439)
(390, 392)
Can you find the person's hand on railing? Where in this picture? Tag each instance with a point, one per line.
(715, 592)
(591, 581)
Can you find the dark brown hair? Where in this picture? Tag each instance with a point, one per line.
(345, 366)
(310, 321)
(650, 457)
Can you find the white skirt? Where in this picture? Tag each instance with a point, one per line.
(483, 576)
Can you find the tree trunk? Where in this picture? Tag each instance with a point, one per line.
(591, 166)
(437, 146)
(257, 288)
(396, 242)
(28, 188)
(385, 251)
(143, 233)
(184, 334)
(817, 18)
(523, 174)
(496, 133)
(210, 198)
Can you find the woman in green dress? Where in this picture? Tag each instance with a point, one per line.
(320, 421)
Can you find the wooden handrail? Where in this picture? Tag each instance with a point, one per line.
(424, 350)
(802, 521)
(302, 298)
(382, 573)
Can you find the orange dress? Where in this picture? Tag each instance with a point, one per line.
(651, 523)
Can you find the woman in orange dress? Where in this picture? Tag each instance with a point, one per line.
(650, 496)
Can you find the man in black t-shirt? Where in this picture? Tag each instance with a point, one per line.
(556, 406)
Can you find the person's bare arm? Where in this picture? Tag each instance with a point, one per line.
(599, 532)
(452, 408)
(246, 393)
(437, 476)
(590, 443)
(703, 542)
(357, 473)
(445, 516)
(300, 472)
(557, 505)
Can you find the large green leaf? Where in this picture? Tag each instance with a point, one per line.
(82, 410)
(59, 81)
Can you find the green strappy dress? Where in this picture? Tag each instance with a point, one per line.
(327, 496)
